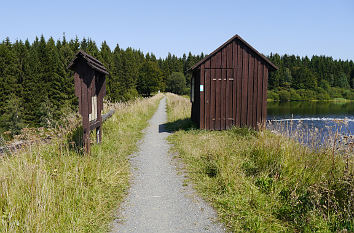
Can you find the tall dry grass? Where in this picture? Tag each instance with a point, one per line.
(264, 182)
(178, 107)
(53, 188)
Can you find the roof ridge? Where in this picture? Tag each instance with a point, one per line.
(236, 36)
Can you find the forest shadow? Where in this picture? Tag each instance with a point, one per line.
(185, 124)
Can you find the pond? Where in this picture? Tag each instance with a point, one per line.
(319, 119)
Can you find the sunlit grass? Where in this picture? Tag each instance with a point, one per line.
(51, 188)
(263, 182)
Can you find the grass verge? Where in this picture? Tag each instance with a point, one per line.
(262, 182)
(55, 189)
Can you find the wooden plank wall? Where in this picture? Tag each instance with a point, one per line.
(234, 82)
(207, 90)
(202, 98)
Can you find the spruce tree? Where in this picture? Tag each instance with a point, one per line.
(150, 78)
(12, 119)
(9, 74)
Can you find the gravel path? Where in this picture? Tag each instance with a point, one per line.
(157, 200)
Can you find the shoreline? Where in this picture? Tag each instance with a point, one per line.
(331, 100)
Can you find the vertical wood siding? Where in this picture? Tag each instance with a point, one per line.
(202, 98)
(207, 94)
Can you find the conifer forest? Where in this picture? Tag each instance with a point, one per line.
(36, 88)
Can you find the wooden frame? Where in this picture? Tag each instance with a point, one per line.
(90, 81)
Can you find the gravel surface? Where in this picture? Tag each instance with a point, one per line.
(157, 200)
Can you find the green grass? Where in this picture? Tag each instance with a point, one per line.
(262, 182)
(54, 189)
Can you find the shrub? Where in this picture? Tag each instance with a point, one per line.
(294, 95)
(306, 94)
(150, 78)
(335, 92)
(284, 95)
(348, 94)
(176, 83)
(322, 94)
(272, 95)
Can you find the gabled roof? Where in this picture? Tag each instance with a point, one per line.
(235, 37)
(91, 61)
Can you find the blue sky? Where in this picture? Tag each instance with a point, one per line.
(293, 27)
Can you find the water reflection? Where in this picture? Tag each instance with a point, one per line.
(312, 121)
(277, 110)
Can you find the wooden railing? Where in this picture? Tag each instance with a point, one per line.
(8, 149)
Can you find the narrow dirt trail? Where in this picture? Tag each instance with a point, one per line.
(157, 200)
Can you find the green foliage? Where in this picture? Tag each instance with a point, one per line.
(150, 78)
(324, 84)
(294, 96)
(304, 78)
(284, 95)
(318, 93)
(342, 81)
(176, 83)
(12, 119)
(273, 95)
(8, 70)
(46, 110)
(322, 94)
(304, 75)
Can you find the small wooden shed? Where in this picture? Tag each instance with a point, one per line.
(90, 88)
(229, 87)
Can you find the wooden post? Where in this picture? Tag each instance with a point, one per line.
(85, 117)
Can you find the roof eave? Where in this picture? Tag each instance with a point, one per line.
(90, 60)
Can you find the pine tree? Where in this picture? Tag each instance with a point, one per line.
(115, 83)
(342, 81)
(176, 83)
(55, 74)
(107, 60)
(304, 78)
(12, 118)
(130, 68)
(150, 78)
(9, 73)
(32, 85)
(66, 54)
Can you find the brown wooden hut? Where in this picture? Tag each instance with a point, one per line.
(229, 87)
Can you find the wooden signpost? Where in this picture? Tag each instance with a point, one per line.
(90, 88)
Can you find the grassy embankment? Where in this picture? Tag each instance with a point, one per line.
(262, 182)
(55, 189)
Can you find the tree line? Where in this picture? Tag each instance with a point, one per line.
(36, 89)
(318, 78)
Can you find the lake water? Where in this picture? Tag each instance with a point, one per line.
(317, 118)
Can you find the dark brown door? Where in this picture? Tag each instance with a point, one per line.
(219, 99)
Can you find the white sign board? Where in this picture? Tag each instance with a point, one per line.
(201, 87)
(93, 114)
